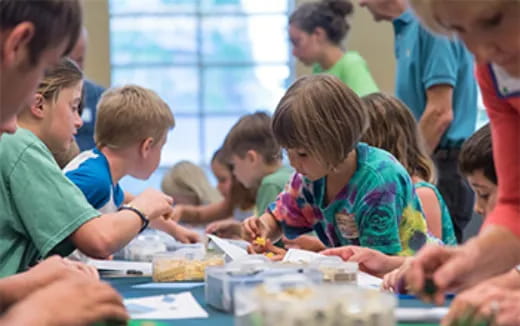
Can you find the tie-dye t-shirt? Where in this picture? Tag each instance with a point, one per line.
(378, 208)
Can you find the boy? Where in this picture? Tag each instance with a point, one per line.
(256, 158)
(130, 132)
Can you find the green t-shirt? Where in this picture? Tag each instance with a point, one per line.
(270, 187)
(40, 207)
(352, 69)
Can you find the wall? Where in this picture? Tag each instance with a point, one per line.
(96, 19)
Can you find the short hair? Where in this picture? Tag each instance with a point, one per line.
(253, 132)
(63, 75)
(321, 115)
(393, 128)
(477, 154)
(129, 114)
(331, 15)
(54, 22)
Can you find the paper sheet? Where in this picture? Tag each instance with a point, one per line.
(170, 306)
(123, 266)
(421, 314)
(368, 281)
(299, 256)
(233, 251)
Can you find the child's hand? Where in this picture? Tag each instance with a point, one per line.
(268, 249)
(371, 261)
(153, 204)
(394, 281)
(177, 213)
(185, 235)
(254, 228)
(227, 229)
(306, 242)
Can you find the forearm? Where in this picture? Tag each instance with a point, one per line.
(433, 125)
(206, 213)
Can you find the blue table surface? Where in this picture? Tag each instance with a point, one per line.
(125, 286)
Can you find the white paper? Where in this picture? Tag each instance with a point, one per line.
(421, 314)
(300, 256)
(169, 285)
(368, 281)
(144, 268)
(233, 251)
(170, 306)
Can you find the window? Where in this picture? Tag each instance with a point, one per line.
(211, 60)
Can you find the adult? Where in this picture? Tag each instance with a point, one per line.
(435, 79)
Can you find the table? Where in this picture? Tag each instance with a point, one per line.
(124, 285)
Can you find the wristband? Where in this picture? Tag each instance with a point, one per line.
(143, 218)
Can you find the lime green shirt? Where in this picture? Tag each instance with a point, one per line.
(270, 187)
(353, 70)
(40, 207)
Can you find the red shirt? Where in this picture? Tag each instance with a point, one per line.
(501, 95)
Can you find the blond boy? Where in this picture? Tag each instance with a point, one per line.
(131, 129)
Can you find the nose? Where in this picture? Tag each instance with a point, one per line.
(479, 209)
(78, 122)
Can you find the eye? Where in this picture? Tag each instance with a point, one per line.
(483, 196)
(301, 154)
(493, 21)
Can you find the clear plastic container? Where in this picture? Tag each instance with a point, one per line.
(248, 271)
(334, 269)
(187, 264)
(297, 303)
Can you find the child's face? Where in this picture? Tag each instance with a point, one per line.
(485, 190)
(246, 169)
(490, 29)
(224, 178)
(306, 165)
(62, 120)
(304, 45)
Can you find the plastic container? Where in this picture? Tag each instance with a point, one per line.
(187, 264)
(249, 271)
(290, 302)
(336, 270)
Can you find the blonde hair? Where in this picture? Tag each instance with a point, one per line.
(393, 128)
(321, 115)
(129, 114)
(63, 75)
(188, 179)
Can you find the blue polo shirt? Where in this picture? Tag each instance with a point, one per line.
(425, 60)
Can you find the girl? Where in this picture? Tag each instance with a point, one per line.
(238, 202)
(346, 191)
(43, 213)
(491, 31)
(392, 127)
(316, 30)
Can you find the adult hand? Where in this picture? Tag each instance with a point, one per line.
(87, 301)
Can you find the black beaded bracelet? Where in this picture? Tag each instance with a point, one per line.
(139, 213)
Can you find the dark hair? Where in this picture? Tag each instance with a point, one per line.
(253, 132)
(54, 22)
(327, 14)
(477, 153)
(393, 128)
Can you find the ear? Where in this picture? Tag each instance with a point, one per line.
(320, 34)
(15, 45)
(146, 147)
(252, 156)
(38, 109)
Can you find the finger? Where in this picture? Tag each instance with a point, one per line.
(168, 199)
(274, 249)
(344, 252)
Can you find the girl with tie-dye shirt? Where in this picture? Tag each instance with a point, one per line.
(347, 192)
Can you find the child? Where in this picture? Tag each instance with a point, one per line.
(256, 158)
(346, 191)
(393, 128)
(237, 202)
(316, 31)
(43, 213)
(131, 128)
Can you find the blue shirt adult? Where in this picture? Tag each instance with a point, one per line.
(91, 94)
(425, 60)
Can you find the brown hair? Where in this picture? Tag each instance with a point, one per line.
(54, 22)
(321, 115)
(393, 128)
(63, 75)
(327, 14)
(253, 132)
(241, 197)
(477, 153)
(129, 114)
